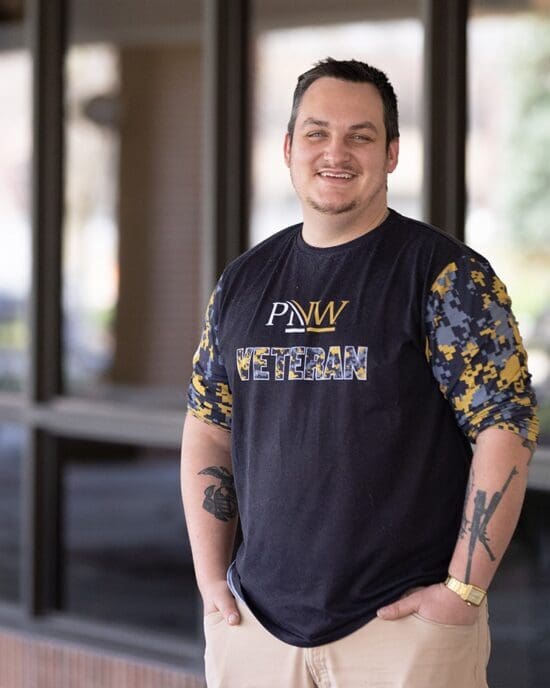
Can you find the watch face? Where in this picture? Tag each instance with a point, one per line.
(476, 597)
(469, 593)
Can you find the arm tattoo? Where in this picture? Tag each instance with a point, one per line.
(465, 522)
(480, 520)
(220, 501)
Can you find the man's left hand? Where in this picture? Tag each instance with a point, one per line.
(435, 603)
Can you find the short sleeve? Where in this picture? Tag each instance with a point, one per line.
(209, 396)
(476, 353)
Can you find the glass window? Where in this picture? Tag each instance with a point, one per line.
(126, 553)
(519, 602)
(12, 440)
(508, 221)
(508, 168)
(286, 45)
(131, 234)
(15, 144)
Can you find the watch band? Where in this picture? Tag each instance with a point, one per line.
(471, 594)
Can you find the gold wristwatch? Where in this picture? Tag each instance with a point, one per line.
(471, 594)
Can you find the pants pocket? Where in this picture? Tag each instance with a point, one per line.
(213, 618)
(216, 648)
(423, 619)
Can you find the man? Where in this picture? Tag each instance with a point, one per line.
(345, 366)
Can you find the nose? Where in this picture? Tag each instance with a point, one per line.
(336, 152)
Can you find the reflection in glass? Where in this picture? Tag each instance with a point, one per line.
(15, 144)
(508, 221)
(131, 242)
(282, 54)
(518, 602)
(509, 171)
(126, 553)
(12, 439)
(90, 237)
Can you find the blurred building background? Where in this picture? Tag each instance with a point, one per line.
(140, 150)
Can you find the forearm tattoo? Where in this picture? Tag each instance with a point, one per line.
(465, 522)
(481, 516)
(220, 501)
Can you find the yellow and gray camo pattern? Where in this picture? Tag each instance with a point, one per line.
(476, 353)
(209, 396)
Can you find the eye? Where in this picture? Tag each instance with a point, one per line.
(315, 134)
(360, 137)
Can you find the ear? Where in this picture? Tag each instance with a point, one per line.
(287, 146)
(392, 155)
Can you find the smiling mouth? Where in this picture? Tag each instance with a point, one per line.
(327, 174)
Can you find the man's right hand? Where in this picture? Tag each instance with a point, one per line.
(217, 597)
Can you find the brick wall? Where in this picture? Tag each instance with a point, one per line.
(31, 663)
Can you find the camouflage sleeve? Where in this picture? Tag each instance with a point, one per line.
(476, 353)
(209, 396)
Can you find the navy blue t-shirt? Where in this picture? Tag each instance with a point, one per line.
(352, 379)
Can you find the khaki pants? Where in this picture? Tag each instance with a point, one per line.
(407, 653)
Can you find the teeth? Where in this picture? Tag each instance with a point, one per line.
(336, 175)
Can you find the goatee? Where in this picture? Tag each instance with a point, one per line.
(331, 208)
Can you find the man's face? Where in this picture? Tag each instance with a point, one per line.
(337, 158)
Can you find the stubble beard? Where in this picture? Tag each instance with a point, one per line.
(340, 209)
(332, 208)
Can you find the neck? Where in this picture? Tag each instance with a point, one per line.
(324, 231)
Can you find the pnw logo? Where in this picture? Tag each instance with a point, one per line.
(316, 318)
(300, 362)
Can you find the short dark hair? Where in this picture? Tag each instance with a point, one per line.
(349, 70)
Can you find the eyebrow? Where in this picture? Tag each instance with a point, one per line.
(364, 125)
(354, 127)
